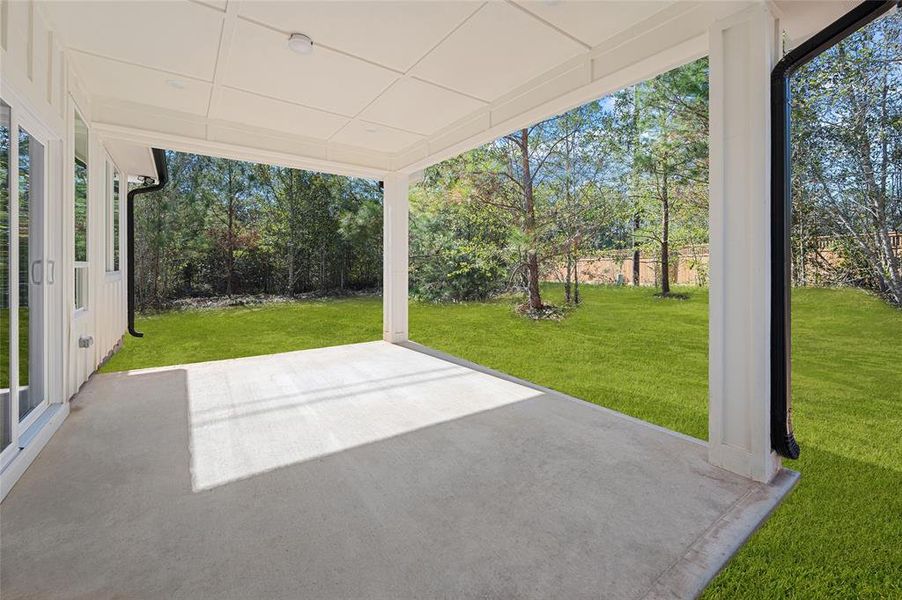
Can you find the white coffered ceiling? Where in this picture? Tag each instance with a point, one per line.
(384, 77)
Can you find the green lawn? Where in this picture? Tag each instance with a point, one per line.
(23, 347)
(838, 535)
(198, 335)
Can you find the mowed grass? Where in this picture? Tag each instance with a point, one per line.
(838, 535)
(189, 336)
(24, 354)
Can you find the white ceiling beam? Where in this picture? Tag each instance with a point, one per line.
(229, 20)
(321, 158)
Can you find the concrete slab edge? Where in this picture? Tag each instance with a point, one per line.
(711, 551)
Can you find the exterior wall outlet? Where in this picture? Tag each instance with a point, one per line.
(86, 341)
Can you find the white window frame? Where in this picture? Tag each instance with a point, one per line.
(111, 198)
(81, 272)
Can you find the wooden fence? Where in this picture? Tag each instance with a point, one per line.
(688, 266)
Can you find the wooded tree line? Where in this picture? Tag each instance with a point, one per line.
(626, 172)
(224, 227)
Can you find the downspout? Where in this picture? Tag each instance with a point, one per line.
(159, 159)
(782, 437)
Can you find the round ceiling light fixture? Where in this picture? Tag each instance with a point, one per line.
(300, 43)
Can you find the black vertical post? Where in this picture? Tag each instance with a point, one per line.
(159, 159)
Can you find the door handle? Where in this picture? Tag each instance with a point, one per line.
(51, 272)
(39, 265)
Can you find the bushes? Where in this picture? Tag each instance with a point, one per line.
(458, 248)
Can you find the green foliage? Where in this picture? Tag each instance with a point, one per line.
(227, 227)
(81, 211)
(458, 247)
(629, 170)
(847, 161)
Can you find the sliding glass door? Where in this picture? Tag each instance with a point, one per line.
(23, 279)
(31, 274)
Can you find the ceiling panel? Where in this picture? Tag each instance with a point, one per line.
(122, 81)
(181, 37)
(592, 22)
(495, 51)
(257, 111)
(134, 159)
(260, 61)
(419, 107)
(375, 137)
(393, 34)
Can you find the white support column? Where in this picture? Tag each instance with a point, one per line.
(743, 50)
(395, 206)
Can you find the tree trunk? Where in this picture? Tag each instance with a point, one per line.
(230, 260)
(157, 258)
(567, 278)
(576, 298)
(634, 185)
(322, 268)
(637, 223)
(532, 258)
(665, 240)
(290, 287)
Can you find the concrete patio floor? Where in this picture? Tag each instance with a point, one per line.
(365, 471)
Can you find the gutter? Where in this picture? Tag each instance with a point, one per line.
(159, 159)
(781, 432)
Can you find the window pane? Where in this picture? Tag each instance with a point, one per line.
(115, 220)
(81, 190)
(108, 216)
(31, 195)
(81, 209)
(5, 406)
(24, 224)
(81, 286)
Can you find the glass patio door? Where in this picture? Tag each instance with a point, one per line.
(31, 275)
(23, 277)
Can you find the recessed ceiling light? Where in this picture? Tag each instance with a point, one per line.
(300, 43)
(175, 83)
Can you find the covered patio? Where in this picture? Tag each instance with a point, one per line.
(378, 470)
(366, 471)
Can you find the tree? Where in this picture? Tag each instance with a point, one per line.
(459, 246)
(230, 187)
(228, 227)
(847, 140)
(506, 175)
(672, 151)
(578, 201)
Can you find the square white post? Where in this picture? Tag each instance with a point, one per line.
(743, 50)
(395, 206)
